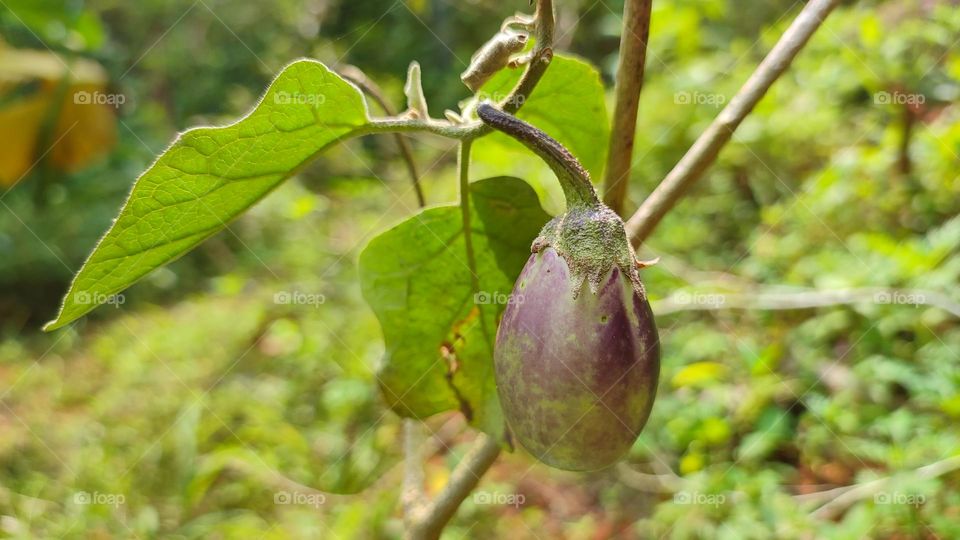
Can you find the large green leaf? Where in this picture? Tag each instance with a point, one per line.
(439, 332)
(210, 175)
(569, 105)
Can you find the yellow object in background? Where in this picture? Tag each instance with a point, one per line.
(55, 109)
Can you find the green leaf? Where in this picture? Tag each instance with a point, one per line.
(568, 104)
(416, 278)
(210, 175)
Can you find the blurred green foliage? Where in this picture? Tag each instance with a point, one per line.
(189, 410)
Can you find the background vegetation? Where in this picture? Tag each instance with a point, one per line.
(201, 407)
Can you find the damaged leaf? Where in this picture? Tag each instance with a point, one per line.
(439, 331)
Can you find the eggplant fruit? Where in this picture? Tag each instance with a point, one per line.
(576, 366)
(576, 374)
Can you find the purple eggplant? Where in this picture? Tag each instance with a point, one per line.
(576, 376)
(577, 356)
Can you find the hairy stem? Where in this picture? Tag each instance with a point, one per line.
(633, 58)
(463, 164)
(705, 150)
(443, 128)
(540, 59)
(370, 88)
(574, 179)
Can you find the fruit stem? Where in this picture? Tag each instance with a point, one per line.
(574, 179)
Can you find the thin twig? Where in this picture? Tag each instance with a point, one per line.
(801, 299)
(839, 499)
(539, 60)
(633, 58)
(369, 87)
(276, 479)
(430, 521)
(705, 150)
(648, 482)
(463, 165)
(439, 440)
(413, 495)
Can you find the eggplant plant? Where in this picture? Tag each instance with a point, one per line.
(567, 366)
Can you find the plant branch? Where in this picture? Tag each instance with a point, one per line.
(412, 496)
(801, 299)
(429, 521)
(401, 124)
(370, 88)
(668, 482)
(540, 59)
(463, 164)
(839, 499)
(633, 57)
(705, 150)
(441, 439)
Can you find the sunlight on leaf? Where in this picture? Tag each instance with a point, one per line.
(211, 175)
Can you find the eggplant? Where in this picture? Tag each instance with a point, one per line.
(577, 355)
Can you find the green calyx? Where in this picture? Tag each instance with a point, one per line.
(592, 240)
(589, 236)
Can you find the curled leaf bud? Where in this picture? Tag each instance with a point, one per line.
(416, 102)
(492, 57)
